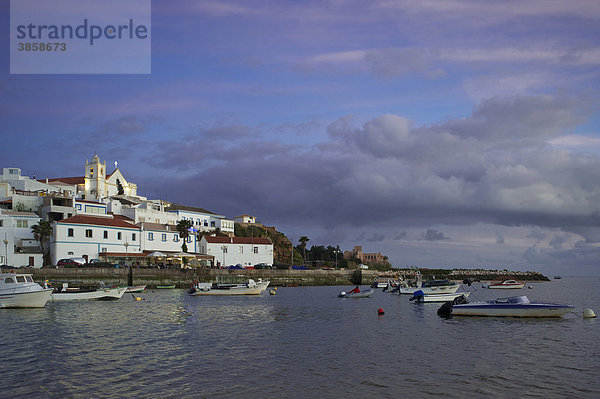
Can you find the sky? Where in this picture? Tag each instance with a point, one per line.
(442, 134)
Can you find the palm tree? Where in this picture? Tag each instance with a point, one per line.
(303, 240)
(42, 233)
(183, 227)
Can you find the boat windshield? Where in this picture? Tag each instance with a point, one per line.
(20, 279)
(514, 299)
(9, 280)
(29, 279)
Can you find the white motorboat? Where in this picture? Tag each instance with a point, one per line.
(517, 306)
(104, 293)
(20, 291)
(507, 284)
(250, 287)
(420, 297)
(362, 294)
(432, 287)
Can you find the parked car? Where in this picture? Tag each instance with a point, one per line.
(263, 266)
(67, 263)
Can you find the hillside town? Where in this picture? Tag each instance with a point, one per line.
(100, 217)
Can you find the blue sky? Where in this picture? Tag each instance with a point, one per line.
(443, 134)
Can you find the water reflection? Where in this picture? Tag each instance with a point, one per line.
(303, 341)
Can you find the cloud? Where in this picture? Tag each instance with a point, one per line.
(376, 237)
(433, 235)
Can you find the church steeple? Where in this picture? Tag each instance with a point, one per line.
(95, 178)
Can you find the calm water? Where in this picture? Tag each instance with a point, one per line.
(299, 343)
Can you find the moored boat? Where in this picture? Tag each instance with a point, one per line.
(250, 287)
(362, 294)
(432, 287)
(165, 287)
(507, 284)
(517, 306)
(420, 297)
(104, 293)
(136, 288)
(20, 291)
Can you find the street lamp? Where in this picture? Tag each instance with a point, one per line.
(6, 248)
(126, 245)
(224, 249)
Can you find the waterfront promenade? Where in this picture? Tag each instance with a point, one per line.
(182, 278)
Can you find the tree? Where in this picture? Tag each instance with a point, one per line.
(120, 190)
(183, 227)
(303, 240)
(42, 233)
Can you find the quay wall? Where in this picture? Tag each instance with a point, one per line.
(182, 278)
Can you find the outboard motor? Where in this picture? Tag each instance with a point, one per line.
(416, 294)
(446, 309)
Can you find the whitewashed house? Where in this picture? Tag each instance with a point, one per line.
(245, 219)
(201, 219)
(17, 245)
(164, 238)
(93, 237)
(230, 251)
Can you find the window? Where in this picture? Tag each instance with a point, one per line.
(176, 237)
(20, 279)
(224, 248)
(189, 239)
(241, 249)
(133, 237)
(21, 223)
(9, 280)
(88, 233)
(206, 223)
(118, 235)
(104, 250)
(164, 237)
(212, 224)
(70, 253)
(105, 234)
(70, 233)
(1, 221)
(150, 236)
(78, 207)
(255, 249)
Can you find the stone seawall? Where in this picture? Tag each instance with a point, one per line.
(182, 278)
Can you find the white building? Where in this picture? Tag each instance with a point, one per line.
(18, 247)
(245, 219)
(164, 238)
(202, 220)
(92, 237)
(229, 251)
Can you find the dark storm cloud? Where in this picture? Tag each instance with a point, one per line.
(376, 237)
(433, 235)
(389, 172)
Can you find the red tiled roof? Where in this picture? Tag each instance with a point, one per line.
(68, 180)
(237, 240)
(100, 221)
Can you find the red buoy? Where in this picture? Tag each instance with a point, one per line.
(380, 311)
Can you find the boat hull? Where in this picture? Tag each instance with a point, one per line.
(101, 294)
(232, 289)
(30, 299)
(136, 288)
(507, 284)
(362, 294)
(440, 297)
(510, 310)
(442, 289)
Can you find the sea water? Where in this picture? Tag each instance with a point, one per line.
(301, 342)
